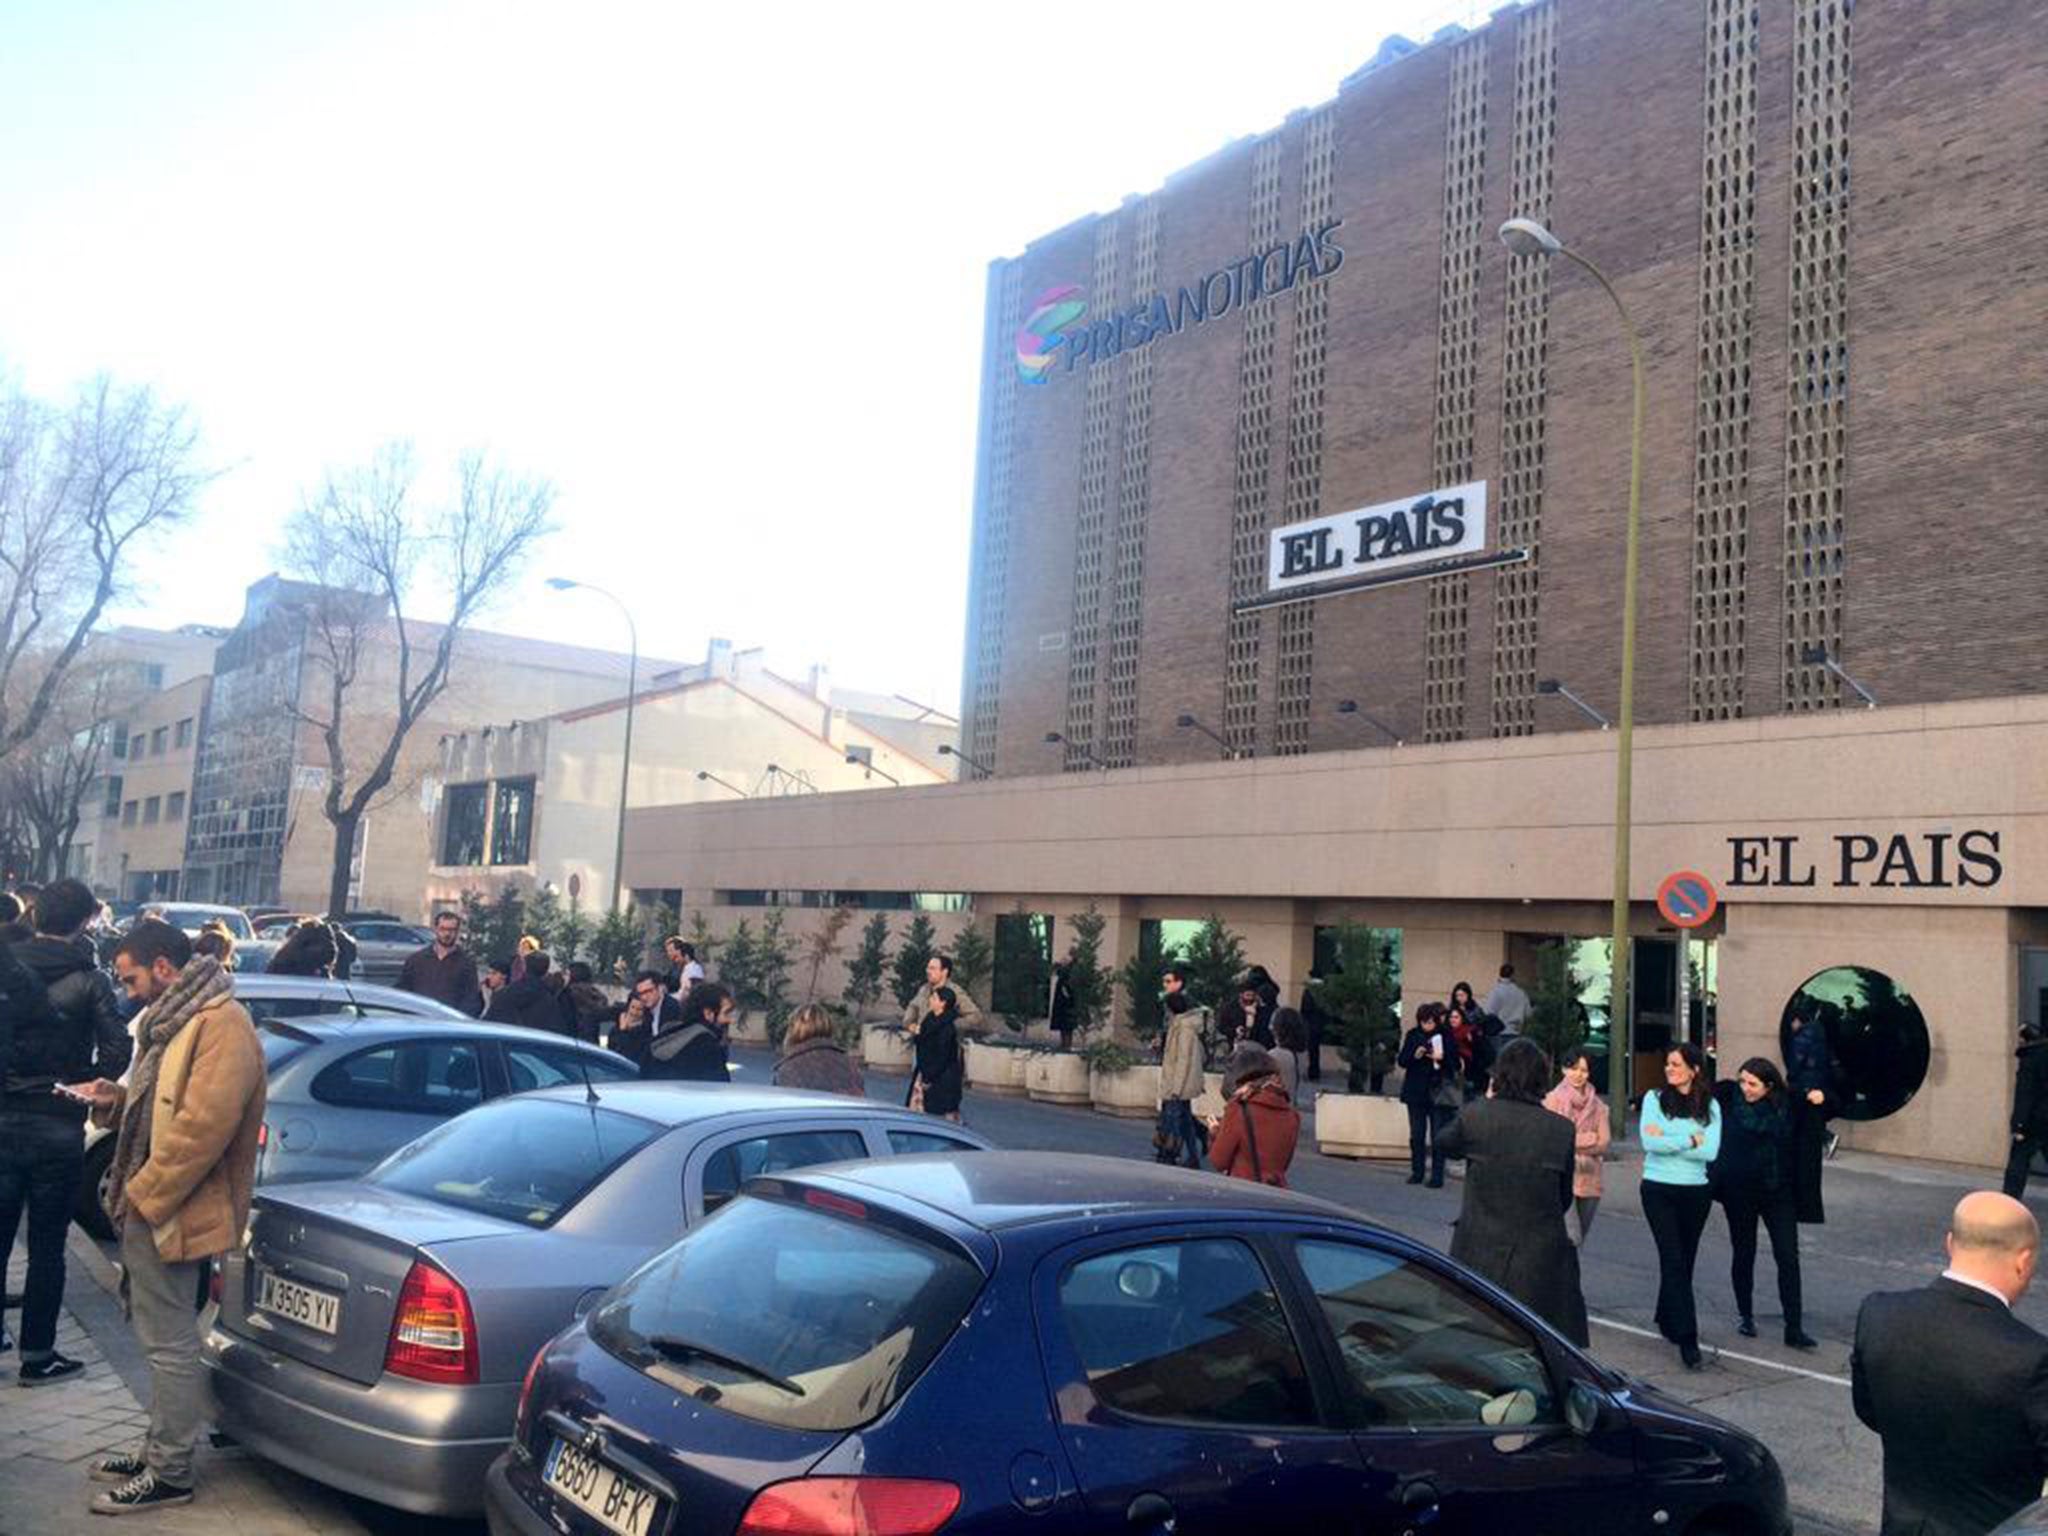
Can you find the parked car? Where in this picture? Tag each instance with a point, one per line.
(1082, 1344)
(400, 1064)
(251, 953)
(373, 1334)
(382, 948)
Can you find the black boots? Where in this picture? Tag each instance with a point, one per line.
(1746, 1326)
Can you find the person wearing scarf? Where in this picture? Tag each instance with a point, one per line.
(1574, 1098)
(183, 1171)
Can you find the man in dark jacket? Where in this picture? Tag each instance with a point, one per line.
(2029, 1109)
(68, 1028)
(1954, 1384)
(444, 970)
(649, 1011)
(694, 1052)
(529, 1000)
(1247, 1016)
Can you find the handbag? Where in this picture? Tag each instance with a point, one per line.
(1449, 1093)
(915, 1101)
(1166, 1146)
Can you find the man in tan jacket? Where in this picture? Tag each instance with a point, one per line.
(938, 972)
(184, 1167)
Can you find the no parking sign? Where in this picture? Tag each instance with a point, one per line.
(1687, 899)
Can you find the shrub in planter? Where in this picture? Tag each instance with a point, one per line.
(886, 1049)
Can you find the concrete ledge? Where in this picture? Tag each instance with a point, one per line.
(1057, 1077)
(997, 1069)
(1361, 1125)
(1132, 1094)
(885, 1050)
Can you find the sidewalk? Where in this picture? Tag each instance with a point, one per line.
(52, 1433)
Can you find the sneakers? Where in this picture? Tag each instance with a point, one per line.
(35, 1373)
(118, 1467)
(139, 1494)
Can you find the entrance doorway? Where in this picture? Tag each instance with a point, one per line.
(1674, 990)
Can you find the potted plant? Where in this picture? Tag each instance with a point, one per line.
(1118, 1082)
(884, 1048)
(997, 1066)
(1361, 994)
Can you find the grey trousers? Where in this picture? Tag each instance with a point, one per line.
(160, 1299)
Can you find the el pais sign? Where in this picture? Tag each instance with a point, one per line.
(1849, 861)
(1057, 335)
(1378, 540)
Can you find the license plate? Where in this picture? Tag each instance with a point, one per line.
(301, 1304)
(605, 1494)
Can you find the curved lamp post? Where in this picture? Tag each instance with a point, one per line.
(1526, 237)
(564, 584)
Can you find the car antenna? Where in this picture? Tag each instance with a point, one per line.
(589, 1091)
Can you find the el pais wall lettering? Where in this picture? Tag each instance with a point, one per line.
(1849, 861)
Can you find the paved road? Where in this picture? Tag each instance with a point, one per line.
(1884, 1232)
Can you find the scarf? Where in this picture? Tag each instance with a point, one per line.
(199, 986)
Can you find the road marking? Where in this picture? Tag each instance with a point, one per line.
(1729, 1354)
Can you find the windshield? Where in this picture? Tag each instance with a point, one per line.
(790, 1316)
(192, 919)
(526, 1160)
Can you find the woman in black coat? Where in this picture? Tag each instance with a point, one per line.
(1518, 1185)
(1426, 1060)
(1752, 1179)
(936, 1082)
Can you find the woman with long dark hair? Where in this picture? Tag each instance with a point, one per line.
(1753, 1181)
(1681, 1131)
(1518, 1185)
(936, 1084)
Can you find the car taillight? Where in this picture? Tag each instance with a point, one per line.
(526, 1396)
(213, 1282)
(850, 1506)
(262, 1135)
(433, 1333)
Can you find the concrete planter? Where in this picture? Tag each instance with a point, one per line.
(1361, 1125)
(1132, 1093)
(996, 1069)
(751, 1027)
(1052, 1077)
(886, 1050)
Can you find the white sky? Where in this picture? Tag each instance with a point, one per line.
(718, 275)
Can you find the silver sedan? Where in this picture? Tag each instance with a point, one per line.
(374, 1333)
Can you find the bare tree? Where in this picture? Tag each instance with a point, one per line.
(82, 490)
(45, 778)
(376, 666)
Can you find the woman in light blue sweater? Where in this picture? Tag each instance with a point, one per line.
(1681, 1131)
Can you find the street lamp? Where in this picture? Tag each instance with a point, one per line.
(865, 757)
(1190, 723)
(947, 749)
(1552, 685)
(1055, 738)
(1817, 656)
(565, 584)
(1526, 237)
(1350, 707)
(705, 773)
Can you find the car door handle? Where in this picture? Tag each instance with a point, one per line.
(1151, 1512)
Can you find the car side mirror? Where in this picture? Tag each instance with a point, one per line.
(1582, 1407)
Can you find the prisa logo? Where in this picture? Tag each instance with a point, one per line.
(1044, 330)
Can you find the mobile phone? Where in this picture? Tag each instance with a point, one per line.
(67, 1091)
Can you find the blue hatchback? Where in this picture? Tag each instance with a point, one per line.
(1063, 1344)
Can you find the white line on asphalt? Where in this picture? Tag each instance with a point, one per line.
(1769, 1365)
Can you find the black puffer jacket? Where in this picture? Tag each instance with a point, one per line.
(84, 1036)
(529, 1001)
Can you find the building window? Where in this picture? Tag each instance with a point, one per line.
(159, 739)
(152, 810)
(113, 801)
(462, 830)
(128, 811)
(174, 807)
(512, 822)
(136, 743)
(153, 675)
(1872, 1043)
(184, 737)
(120, 740)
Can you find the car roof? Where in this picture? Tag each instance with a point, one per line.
(1026, 1188)
(366, 1031)
(677, 1103)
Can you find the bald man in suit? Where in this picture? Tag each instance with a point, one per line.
(1954, 1384)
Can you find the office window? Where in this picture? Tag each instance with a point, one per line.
(120, 740)
(174, 807)
(152, 810)
(462, 827)
(184, 736)
(128, 813)
(512, 822)
(113, 801)
(153, 675)
(158, 740)
(136, 743)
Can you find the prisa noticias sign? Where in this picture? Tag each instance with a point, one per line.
(1057, 337)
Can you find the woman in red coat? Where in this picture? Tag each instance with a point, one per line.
(1260, 1125)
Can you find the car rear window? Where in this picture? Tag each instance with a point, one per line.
(843, 1311)
(526, 1160)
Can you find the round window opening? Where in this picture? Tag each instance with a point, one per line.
(1858, 1031)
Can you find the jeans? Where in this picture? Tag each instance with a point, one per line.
(1426, 1123)
(1781, 1220)
(159, 1298)
(40, 1158)
(2019, 1162)
(1178, 1117)
(1677, 1214)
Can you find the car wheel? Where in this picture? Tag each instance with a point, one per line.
(90, 1211)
